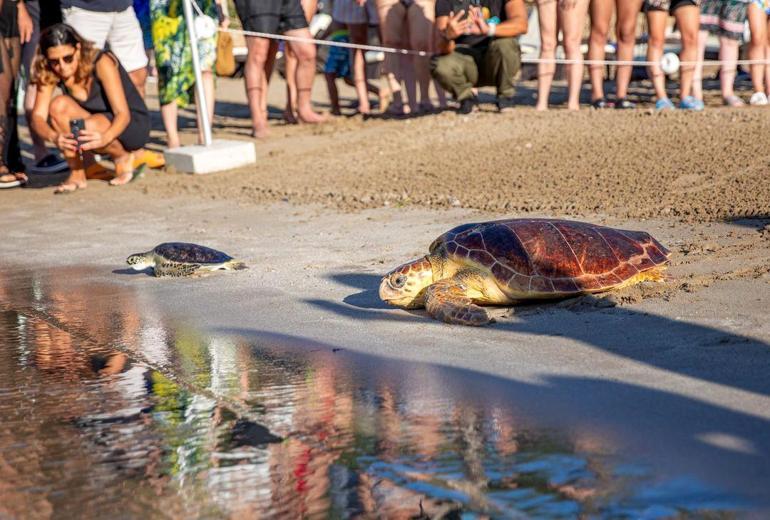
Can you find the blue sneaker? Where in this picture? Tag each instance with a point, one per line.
(691, 103)
(664, 104)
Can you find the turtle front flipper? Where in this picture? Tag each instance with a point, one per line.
(170, 269)
(447, 300)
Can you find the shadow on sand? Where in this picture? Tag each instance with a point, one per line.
(689, 349)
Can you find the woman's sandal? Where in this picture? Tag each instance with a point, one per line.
(66, 188)
(11, 180)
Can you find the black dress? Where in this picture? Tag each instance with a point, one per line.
(137, 133)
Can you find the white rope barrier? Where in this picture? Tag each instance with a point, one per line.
(559, 61)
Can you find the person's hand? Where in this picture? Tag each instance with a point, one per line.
(91, 140)
(456, 26)
(24, 21)
(66, 143)
(478, 25)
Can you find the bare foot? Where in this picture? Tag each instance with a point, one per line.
(69, 187)
(260, 130)
(15, 179)
(124, 170)
(309, 117)
(541, 108)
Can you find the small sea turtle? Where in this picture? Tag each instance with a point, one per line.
(509, 261)
(182, 259)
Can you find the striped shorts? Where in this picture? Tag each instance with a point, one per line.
(723, 17)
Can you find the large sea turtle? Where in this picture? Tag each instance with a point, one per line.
(182, 259)
(509, 261)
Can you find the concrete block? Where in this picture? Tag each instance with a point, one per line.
(221, 155)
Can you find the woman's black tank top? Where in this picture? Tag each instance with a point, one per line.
(97, 102)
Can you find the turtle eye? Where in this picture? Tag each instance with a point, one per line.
(398, 281)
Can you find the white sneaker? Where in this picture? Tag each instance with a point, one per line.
(758, 99)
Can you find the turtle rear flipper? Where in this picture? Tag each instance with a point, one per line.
(176, 270)
(446, 300)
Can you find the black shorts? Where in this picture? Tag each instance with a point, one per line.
(667, 5)
(9, 28)
(271, 16)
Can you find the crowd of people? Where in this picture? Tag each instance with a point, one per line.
(85, 64)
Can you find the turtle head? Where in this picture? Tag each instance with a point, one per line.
(140, 261)
(405, 285)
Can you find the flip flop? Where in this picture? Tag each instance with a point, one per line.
(138, 173)
(16, 179)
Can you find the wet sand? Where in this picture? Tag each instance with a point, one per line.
(675, 371)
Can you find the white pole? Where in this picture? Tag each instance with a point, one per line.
(203, 112)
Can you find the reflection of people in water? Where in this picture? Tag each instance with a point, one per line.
(69, 378)
(326, 414)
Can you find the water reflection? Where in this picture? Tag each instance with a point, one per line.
(109, 408)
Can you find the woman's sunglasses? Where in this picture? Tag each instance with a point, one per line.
(55, 62)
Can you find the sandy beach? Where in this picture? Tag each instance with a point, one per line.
(675, 372)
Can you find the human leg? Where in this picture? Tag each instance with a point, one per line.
(656, 21)
(169, 113)
(627, 13)
(309, 7)
(11, 153)
(732, 19)
(256, 82)
(767, 56)
(757, 44)
(687, 19)
(457, 73)
(600, 12)
(546, 10)
(572, 20)
(11, 167)
(500, 64)
(62, 110)
(728, 55)
(28, 50)
(420, 17)
(391, 14)
(291, 86)
(305, 53)
(358, 35)
(334, 96)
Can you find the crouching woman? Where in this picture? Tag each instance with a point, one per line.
(97, 90)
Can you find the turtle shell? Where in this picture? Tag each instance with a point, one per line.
(190, 253)
(553, 256)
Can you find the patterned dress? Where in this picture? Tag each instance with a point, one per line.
(173, 56)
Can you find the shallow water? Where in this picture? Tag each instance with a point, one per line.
(112, 409)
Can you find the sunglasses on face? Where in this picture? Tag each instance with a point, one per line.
(55, 62)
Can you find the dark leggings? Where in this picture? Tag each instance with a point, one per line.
(10, 59)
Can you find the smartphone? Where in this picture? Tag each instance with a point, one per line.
(462, 5)
(76, 125)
